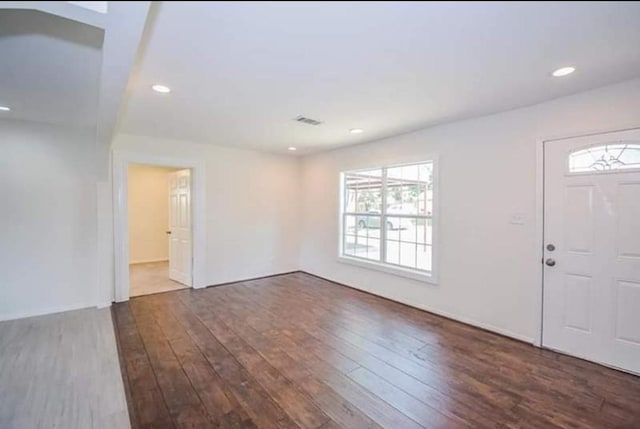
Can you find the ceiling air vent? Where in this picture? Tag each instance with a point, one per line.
(308, 121)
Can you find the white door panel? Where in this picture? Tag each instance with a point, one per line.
(592, 217)
(180, 226)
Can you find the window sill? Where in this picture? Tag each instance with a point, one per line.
(398, 271)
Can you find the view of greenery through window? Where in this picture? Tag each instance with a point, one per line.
(387, 215)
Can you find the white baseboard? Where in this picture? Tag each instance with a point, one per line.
(247, 279)
(148, 261)
(103, 305)
(472, 322)
(458, 318)
(50, 310)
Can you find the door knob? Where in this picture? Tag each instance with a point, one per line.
(551, 247)
(550, 262)
(168, 232)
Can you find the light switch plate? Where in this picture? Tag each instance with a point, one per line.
(517, 219)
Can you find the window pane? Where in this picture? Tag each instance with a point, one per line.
(408, 230)
(368, 248)
(393, 229)
(350, 200)
(409, 189)
(424, 231)
(425, 172)
(366, 224)
(349, 224)
(612, 156)
(424, 257)
(393, 252)
(373, 249)
(407, 240)
(363, 190)
(408, 172)
(408, 255)
(395, 197)
(363, 225)
(369, 200)
(361, 247)
(349, 244)
(363, 240)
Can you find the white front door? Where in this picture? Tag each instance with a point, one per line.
(592, 248)
(180, 226)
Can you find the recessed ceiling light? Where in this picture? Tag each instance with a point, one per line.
(356, 131)
(563, 71)
(161, 89)
(292, 148)
(5, 108)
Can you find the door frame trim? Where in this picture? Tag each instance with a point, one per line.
(539, 215)
(120, 164)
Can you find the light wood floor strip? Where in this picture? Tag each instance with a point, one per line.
(61, 371)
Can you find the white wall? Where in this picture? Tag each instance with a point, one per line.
(148, 193)
(252, 206)
(52, 230)
(48, 221)
(489, 268)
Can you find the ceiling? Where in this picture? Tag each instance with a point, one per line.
(240, 71)
(50, 68)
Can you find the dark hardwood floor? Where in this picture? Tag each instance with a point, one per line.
(296, 351)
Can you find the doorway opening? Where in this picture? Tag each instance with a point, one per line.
(195, 261)
(159, 228)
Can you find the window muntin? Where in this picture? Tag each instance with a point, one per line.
(387, 215)
(605, 157)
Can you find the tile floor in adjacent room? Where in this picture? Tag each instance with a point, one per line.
(151, 277)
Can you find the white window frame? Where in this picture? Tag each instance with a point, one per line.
(398, 270)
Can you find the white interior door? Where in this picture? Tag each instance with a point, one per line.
(180, 226)
(592, 248)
